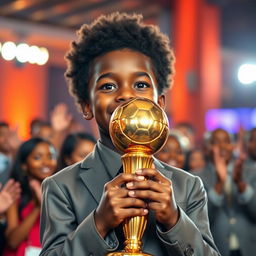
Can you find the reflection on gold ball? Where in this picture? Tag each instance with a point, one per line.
(139, 122)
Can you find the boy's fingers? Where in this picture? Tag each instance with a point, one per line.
(152, 174)
(133, 212)
(131, 202)
(121, 179)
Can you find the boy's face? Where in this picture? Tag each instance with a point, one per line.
(117, 77)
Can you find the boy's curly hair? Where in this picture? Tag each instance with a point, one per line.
(112, 32)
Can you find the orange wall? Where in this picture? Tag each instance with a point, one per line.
(185, 39)
(23, 94)
(197, 48)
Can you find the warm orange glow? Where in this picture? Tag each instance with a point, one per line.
(23, 95)
(185, 46)
(197, 48)
(210, 61)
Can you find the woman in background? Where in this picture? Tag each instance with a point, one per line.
(75, 148)
(35, 160)
(173, 152)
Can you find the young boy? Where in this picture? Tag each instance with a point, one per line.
(115, 59)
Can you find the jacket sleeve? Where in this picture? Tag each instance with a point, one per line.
(191, 235)
(59, 231)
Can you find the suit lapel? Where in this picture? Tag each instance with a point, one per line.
(160, 167)
(94, 175)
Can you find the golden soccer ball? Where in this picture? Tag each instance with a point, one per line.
(139, 121)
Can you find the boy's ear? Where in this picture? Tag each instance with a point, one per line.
(87, 112)
(161, 101)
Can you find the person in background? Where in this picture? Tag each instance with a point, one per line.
(9, 193)
(251, 146)
(188, 131)
(8, 143)
(232, 197)
(196, 160)
(75, 148)
(35, 127)
(172, 153)
(35, 160)
(5, 152)
(54, 130)
(45, 131)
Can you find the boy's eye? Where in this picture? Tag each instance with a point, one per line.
(108, 87)
(141, 85)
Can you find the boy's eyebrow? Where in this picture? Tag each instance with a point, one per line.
(110, 74)
(143, 74)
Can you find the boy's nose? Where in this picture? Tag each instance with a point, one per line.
(125, 95)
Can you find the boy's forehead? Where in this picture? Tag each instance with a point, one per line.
(116, 59)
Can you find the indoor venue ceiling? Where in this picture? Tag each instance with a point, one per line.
(73, 13)
(238, 17)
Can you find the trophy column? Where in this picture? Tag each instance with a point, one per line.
(136, 157)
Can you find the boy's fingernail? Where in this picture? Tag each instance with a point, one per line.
(145, 211)
(129, 184)
(140, 178)
(131, 193)
(139, 171)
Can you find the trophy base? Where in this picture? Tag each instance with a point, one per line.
(128, 254)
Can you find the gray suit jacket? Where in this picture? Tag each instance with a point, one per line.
(233, 214)
(71, 196)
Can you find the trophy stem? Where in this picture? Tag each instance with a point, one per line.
(136, 157)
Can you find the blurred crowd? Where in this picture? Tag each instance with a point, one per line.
(225, 163)
(52, 146)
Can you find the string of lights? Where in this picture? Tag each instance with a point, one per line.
(24, 53)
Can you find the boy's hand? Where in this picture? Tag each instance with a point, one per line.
(116, 204)
(157, 190)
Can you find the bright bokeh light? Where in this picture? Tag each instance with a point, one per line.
(9, 50)
(247, 74)
(34, 53)
(43, 56)
(22, 53)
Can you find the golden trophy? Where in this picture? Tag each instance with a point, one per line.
(139, 128)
